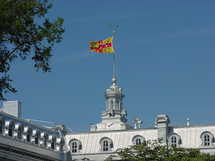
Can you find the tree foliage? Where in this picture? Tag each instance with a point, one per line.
(20, 36)
(155, 151)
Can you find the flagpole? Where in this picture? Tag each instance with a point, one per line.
(114, 73)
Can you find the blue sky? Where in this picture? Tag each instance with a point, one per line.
(164, 63)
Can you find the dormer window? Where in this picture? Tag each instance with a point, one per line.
(207, 139)
(112, 89)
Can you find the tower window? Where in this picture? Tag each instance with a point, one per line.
(111, 104)
(117, 104)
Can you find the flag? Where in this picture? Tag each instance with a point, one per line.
(104, 46)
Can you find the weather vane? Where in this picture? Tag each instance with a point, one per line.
(113, 27)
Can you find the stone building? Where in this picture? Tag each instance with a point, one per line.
(24, 140)
(113, 132)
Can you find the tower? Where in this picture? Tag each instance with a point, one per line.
(113, 118)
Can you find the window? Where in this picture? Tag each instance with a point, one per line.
(174, 140)
(11, 129)
(19, 132)
(45, 138)
(117, 104)
(106, 144)
(62, 143)
(37, 136)
(28, 137)
(53, 141)
(107, 105)
(75, 146)
(207, 139)
(138, 139)
(111, 104)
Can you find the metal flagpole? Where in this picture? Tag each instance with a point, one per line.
(114, 74)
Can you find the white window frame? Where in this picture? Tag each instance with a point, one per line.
(28, 135)
(37, 137)
(138, 139)
(53, 143)
(174, 140)
(19, 129)
(75, 145)
(210, 139)
(45, 140)
(106, 144)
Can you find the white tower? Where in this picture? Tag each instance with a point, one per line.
(114, 116)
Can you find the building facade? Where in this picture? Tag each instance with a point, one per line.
(113, 132)
(24, 140)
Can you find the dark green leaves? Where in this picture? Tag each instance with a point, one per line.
(17, 28)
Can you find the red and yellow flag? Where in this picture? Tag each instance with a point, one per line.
(104, 46)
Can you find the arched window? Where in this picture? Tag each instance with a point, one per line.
(11, 129)
(207, 139)
(36, 137)
(117, 104)
(138, 139)
(174, 140)
(28, 136)
(45, 139)
(53, 142)
(75, 146)
(19, 132)
(62, 143)
(106, 144)
(111, 104)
